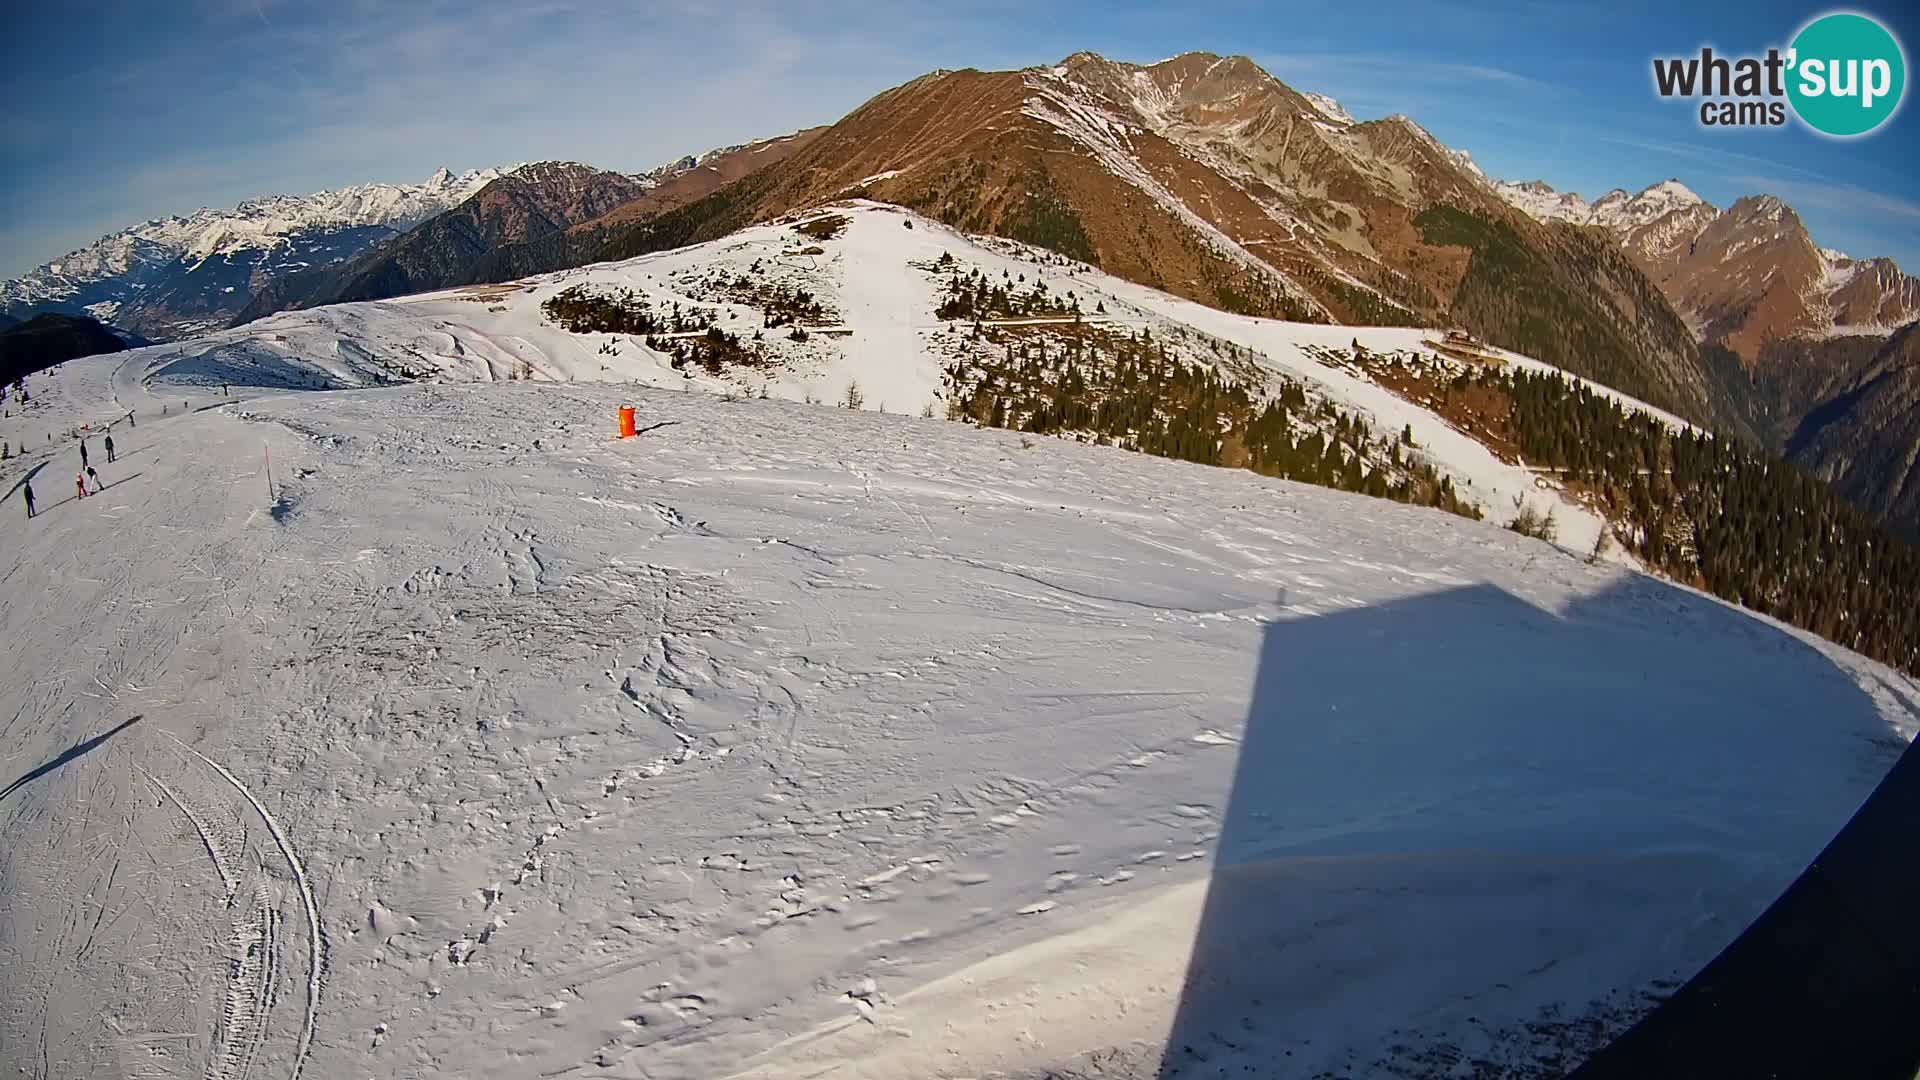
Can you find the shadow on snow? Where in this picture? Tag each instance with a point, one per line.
(70, 754)
(1454, 809)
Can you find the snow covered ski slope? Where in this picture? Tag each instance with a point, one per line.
(788, 741)
(877, 284)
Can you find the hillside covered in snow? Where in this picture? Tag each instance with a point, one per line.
(788, 741)
(384, 715)
(858, 297)
(862, 303)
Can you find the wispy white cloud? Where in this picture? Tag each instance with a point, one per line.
(312, 97)
(1703, 152)
(1391, 78)
(1850, 199)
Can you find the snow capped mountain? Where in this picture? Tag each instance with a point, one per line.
(1617, 210)
(1207, 176)
(687, 163)
(544, 171)
(677, 165)
(1539, 201)
(1622, 213)
(270, 220)
(1830, 379)
(1330, 109)
(1459, 157)
(180, 274)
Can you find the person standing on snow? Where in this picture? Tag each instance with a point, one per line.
(93, 481)
(26, 489)
(83, 453)
(109, 449)
(80, 485)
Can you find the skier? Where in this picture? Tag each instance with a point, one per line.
(109, 449)
(26, 489)
(80, 485)
(83, 453)
(93, 481)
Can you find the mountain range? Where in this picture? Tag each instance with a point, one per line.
(1807, 341)
(561, 207)
(1200, 175)
(178, 276)
(1744, 276)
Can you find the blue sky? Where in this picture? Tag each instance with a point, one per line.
(120, 111)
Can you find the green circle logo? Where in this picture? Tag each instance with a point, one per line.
(1847, 74)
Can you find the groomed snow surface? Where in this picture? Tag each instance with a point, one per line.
(789, 741)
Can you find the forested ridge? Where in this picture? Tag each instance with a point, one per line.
(1714, 513)
(1125, 389)
(1709, 511)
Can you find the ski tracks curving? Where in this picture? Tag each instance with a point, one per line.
(250, 998)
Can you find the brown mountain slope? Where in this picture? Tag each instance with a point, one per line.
(1800, 340)
(1750, 276)
(1745, 276)
(1871, 292)
(1865, 440)
(700, 178)
(688, 180)
(966, 147)
(1207, 177)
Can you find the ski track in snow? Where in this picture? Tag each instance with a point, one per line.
(216, 850)
(315, 941)
(787, 741)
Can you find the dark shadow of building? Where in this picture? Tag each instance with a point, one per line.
(1453, 808)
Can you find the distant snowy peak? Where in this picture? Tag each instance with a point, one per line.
(1617, 210)
(1538, 200)
(541, 170)
(688, 162)
(1330, 109)
(677, 165)
(1459, 157)
(1673, 191)
(265, 221)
